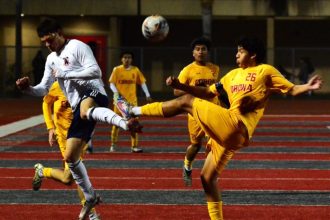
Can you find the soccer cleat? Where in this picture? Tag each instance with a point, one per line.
(37, 179)
(123, 106)
(136, 150)
(187, 177)
(94, 216)
(88, 206)
(113, 148)
(134, 125)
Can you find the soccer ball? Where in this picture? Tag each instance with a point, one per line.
(155, 28)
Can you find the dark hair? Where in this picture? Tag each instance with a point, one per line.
(48, 26)
(254, 46)
(126, 52)
(201, 41)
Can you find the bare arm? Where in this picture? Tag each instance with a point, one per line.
(178, 92)
(314, 83)
(198, 91)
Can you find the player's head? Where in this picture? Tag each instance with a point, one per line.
(50, 33)
(254, 46)
(201, 47)
(48, 26)
(201, 41)
(126, 58)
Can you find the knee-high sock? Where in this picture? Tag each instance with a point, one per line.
(215, 210)
(187, 163)
(106, 115)
(46, 172)
(152, 109)
(134, 140)
(79, 174)
(114, 135)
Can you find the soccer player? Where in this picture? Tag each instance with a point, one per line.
(123, 81)
(248, 87)
(58, 116)
(73, 64)
(200, 72)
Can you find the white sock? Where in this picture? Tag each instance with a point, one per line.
(106, 115)
(79, 174)
(136, 111)
(41, 173)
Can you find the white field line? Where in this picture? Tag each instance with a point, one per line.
(20, 125)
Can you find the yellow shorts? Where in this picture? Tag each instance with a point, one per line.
(62, 121)
(196, 133)
(227, 133)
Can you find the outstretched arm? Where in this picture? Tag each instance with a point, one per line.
(198, 91)
(314, 83)
(146, 92)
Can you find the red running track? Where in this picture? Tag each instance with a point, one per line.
(160, 179)
(165, 212)
(168, 156)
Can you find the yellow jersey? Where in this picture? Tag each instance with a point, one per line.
(126, 80)
(252, 84)
(55, 104)
(198, 75)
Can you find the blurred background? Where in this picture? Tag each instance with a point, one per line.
(293, 31)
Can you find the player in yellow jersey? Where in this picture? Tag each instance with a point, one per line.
(200, 72)
(249, 88)
(58, 116)
(123, 81)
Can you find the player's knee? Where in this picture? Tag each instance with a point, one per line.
(68, 159)
(185, 100)
(67, 177)
(207, 178)
(204, 180)
(196, 146)
(83, 114)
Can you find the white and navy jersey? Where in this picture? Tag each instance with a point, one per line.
(79, 70)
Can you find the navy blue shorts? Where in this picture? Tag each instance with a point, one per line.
(81, 128)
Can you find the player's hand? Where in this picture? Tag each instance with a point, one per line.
(172, 81)
(23, 83)
(116, 96)
(315, 82)
(149, 99)
(51, 137)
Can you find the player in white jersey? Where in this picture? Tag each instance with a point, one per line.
(72, 63)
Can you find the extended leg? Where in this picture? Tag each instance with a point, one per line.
(166, 109)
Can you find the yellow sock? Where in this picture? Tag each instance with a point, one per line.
(134, 140)
(114, 135)
(215, 210)
(153, 109)
(187, 163)
(47, 172)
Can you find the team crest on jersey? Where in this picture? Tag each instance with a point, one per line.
(66, 61)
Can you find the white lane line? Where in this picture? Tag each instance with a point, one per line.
(20, 125)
